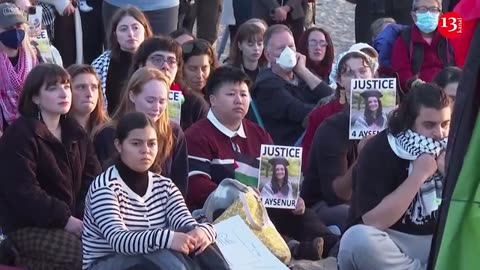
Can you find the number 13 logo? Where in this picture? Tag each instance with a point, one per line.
(450, 25)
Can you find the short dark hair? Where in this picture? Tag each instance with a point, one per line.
(41, 75)
(132, 11)
(426, 95)
(152, 45)
(222, 76)
(129, 122)
(448, 75)
(199, 47)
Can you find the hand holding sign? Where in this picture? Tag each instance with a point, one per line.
(279, 175)
(300, 207)
(371, 100)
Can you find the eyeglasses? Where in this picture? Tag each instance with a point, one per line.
(197, 45)
(315, 43)
(427, 9)
(159, 60)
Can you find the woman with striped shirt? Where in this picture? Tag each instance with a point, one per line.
(136, 218)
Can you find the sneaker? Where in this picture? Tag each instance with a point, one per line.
(318, 244)
(309, 250)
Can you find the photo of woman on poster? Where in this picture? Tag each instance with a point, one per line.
(279, 186)
(373, 117)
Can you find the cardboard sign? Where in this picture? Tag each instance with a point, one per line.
(371, 100)
(279, 175)
(242, 249)
(42, 43)
(175, 100)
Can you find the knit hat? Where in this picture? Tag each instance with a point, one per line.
(333, 74)
(362, 47)
(10, 15)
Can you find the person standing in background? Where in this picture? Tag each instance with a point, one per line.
(367, 11)
(290, 13)
(208, 17)
(62, 33)
(94, 33)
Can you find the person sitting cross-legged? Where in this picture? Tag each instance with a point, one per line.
(397, 186)
(224, 142)
(137, 219)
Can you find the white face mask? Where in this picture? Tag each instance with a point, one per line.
(287, 59)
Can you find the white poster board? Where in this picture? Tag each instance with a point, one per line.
(371, 100)
(174, 106)
(279, 174)
(242, 249)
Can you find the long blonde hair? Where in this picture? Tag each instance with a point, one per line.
(28, 46)
(162, 126)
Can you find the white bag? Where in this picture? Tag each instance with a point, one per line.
(221, 198)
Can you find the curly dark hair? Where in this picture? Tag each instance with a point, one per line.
(426, 95)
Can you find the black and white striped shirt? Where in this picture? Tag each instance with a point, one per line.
(117, 220)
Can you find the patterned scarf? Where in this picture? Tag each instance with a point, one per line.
(11, 82)
(410, 145)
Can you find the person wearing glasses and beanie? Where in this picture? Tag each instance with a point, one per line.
(436, 50)
(199, 60)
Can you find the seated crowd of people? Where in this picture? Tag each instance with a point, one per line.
(95, 174)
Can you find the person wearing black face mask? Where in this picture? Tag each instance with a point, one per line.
(17, 58)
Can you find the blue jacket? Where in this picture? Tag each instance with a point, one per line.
(383, 43)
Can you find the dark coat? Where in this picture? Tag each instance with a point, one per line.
(44, 181)
(242, 10)
(194, 109)
(263, 8)
(283, 106)
(175, 166)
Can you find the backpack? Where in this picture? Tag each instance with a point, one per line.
(415, 50)
(385, 40)
(384, 43)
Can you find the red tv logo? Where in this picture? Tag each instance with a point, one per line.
(450, 25)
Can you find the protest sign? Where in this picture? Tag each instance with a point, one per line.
(242, 249)
(279, 175)
(42, 43)
(371, 100)
(175, 99)
(35, 14)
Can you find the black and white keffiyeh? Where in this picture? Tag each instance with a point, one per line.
(410, 145)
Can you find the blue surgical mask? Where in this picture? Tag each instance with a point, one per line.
(12, 38)
(427, 22)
